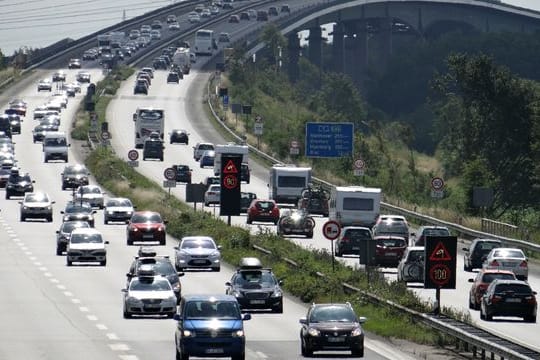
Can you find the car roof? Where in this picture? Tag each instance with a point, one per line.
(508, 281)
(85, 230)
(209, 297)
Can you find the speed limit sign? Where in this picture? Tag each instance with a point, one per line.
(437, 183)
(170, 174)
(133, 155)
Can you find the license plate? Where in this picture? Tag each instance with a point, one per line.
(391, 254)
(513, 300)
(215, 351)
(356, 248)
(336, 339)
(199, 261)
(508, 264)
(148, 236)
(152, 306)
(256, 302)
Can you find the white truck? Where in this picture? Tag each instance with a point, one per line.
(229, 149)
(182, 59)
(287, 182)
(354, 205)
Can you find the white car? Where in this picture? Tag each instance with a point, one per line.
(91, 194)
(149, 294)
(194, 18)
(155, 34)
(212, 195)
(197, 252)
(411, 265)
(174, 26)
(117, 209)
(37, 205)
(512, 259)
(86, 245)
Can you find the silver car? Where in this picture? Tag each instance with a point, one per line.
(91, 194)
(212, 195)
(511, 259)
(411, 265)
(37, 205)
(149, 295)
(64, 233)
(86, 245)
(197, 252)
(117, 209)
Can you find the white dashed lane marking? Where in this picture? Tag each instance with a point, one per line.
(119, 347)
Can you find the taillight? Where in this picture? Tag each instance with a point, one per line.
(494, 263)
(530, 299)
(345, 239)
(495, 299)
(523, 264)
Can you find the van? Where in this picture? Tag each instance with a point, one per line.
(354, 205)
(55, 146)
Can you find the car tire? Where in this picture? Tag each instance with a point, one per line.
(7, 195)
(63, 186)
(472, 305)
(129, 241)
(309, 235)
(69, 262)
(358, 352)
(306, 352)
(530, 319)
(105, 221)
(216, 269)
(58, 251)
(49, 218)
(46, 159)
(278, 309)
(249, 221)
(23, 218)
(103, 263)
(163, 242)
(127, 315)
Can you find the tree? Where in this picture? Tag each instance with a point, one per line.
(274, 41)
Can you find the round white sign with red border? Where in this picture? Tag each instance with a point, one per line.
(437, 183)
(359, 164)
(133, 155)
(331, 230)
(294, 144)
(169, 174)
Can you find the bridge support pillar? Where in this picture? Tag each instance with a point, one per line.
(315, 46)
(356, 51)
(338, 48)
(293, 47)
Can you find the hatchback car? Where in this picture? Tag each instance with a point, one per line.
(212, 195)
(86, 245)
(146, 226)
(117, 209)
(411, 265)
(18, 184)
(477, 252)
(197, 252)
(511, 259)
(173, 77)
(149, 294)
(263, 211)
(207, 158)
(332, 327)
(64, 233)
(74, 64)
(295, 222)
(141, 87)
(509, 298)
(481, 282)
(91, 194)
(224, 37)
(348, 242)
(424, 231)
(74, 175)
(44, 85)
(389, 249)
(153, 149)
(160, 265)
(179, 136)
(83, 77)
(37, 205)
(183, 173)
(78, 210)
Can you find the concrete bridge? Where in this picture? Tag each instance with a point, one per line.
(374, 29)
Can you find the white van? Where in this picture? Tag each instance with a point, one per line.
(287, 182)
(354, 205)
(55, 146)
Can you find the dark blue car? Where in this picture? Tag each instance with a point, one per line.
(210, 326)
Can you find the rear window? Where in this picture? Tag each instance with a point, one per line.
(352, 203)
(436, 232)
(206, 147)
(264, 205)
(292, 181)
(392, 227)
(357, 234)
(508, 253)
(515, 288)
(487, 278)
(391, 242)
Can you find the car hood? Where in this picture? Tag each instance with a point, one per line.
(199, 251)
(334, 325)
(151, 294)
(37, 204)
(87, 246)
(212, 324)
(120, 208)
(90, 196)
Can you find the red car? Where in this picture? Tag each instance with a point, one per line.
(146, 226)
(481, 283)
(263, 211)
(389, 249)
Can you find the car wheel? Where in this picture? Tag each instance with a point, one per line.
(249, 221)
(216, 269)
(472, 305)
(58, 250)
(127, 315)
(129, 241)
(105, 221)
(358, 352)
(63, 187)
(466, 268)
(103, 263)
(338, 253)
(162, 242)
(23, 218)
(278, 309)
(305, 350)
(309, 235)
(69, 263)
(7, 195)
(49, 218)
(488, 317)
(531, 319)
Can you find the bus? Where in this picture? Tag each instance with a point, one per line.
(148, 121)
(205, 43)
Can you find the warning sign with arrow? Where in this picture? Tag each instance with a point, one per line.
(230, 168)
(440, 253)
(440, 268)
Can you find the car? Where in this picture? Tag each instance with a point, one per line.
(245, 173)
(83, 77)
(117, 209)
(509, 298)
(134, 34)
(197, 252)
(18, 184)
(55, 146)
(174, 26)
(234, 19)
(200, 148)
(146, 76)
(314, 200)
(40, 130)
(146, 226)
(148, 70)
(59, 76)
(390, 217)
(89, 55)
(429, 230)
(273, 11)
(214, 10)
(153, 149)
(37, 205)
(64, 232)
(332, 326)
(198, 316)
(411, 266)
(207, 158)
(160, 64)
(206, 13)
(149, 294)
(86, 245)
(78, 211)
(61, 98)
(5, 171)
(161, 265)
(481, 282)
(262, 15)
(245, 199)
(44, 85)
(183, 173)
(141, 87)
(476, 253)
(512, 259)
(194, 18)
(19, 105)
(156, 24)
(212, 195)
(171, 18)
(392, 228)
(244, 15)
(389, 249)
(295, 222)
(173, 77)
(15, 122)
(74, 64)
(285, 9)
(155, 34)
(91, 194)
(252, 13)
(255, 287)
(263, 211)
(179, 136)
(227, 6)
(350, 237)
(74, 175)
(224, 37)
(71, 91)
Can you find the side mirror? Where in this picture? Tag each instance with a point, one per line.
(228, 283)
(180, 274)
(62, 212)
(303, 321)
(362, 319)
(33, 181)
(124, 290)
(246, 317)
(165, 222)
(280, 282)
(470, 280)
(465, 249)
(129, 274)
(177, 317)
(94, 212)
(176, 247)
(219, 247)
(106, 242)
(58, 231)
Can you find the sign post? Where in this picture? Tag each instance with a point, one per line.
(437, 186)
(258, 127)
(331, 230)
(294, 147)
(440, 254)
(359, 166)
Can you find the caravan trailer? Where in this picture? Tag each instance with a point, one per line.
(354, 205)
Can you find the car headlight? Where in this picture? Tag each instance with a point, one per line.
(133, 300)
(110, 212)
(356, 332)
(134, 229)
(238, 333)
(49, 207)
(276, 293)
(25, 207)
(177, 287)
(215, 254)
(313, 332)
(188, 333)
(161, 228)
(236, 293)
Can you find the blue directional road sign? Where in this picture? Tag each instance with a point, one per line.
(327, 140)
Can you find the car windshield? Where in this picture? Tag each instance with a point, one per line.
(75, 171)
(488, 278)
(264, 205)
(60, 141)
(332, 313)
(86, 238)
(486, 246)
(150, 285)
(68, 226)
(198, 243)
(212, 309)
(255, 277)
(206, 147)
(36, 198)
(90, 190)
(78, 208)
(146, 218)
(119, 202)
(20, 178)
(160, 266)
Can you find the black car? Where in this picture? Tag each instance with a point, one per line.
(272, 11)
(332, 327)
(350, 238)
(64, 233)
(79, 210)
(213, 180)
(245, 173)
(179, 136)
(141, 87)
(262, 15)
(15, 122)
(74, 176)
(161, 265)
(38, 133)
(173, 77)
(153, 149)
(429, 230)
(285, 8)
(18, 184)
(509, 298)
(255, 287)
(159, 64)
(245, 200)
(296, 222)
(183, 173)
(476, 253)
